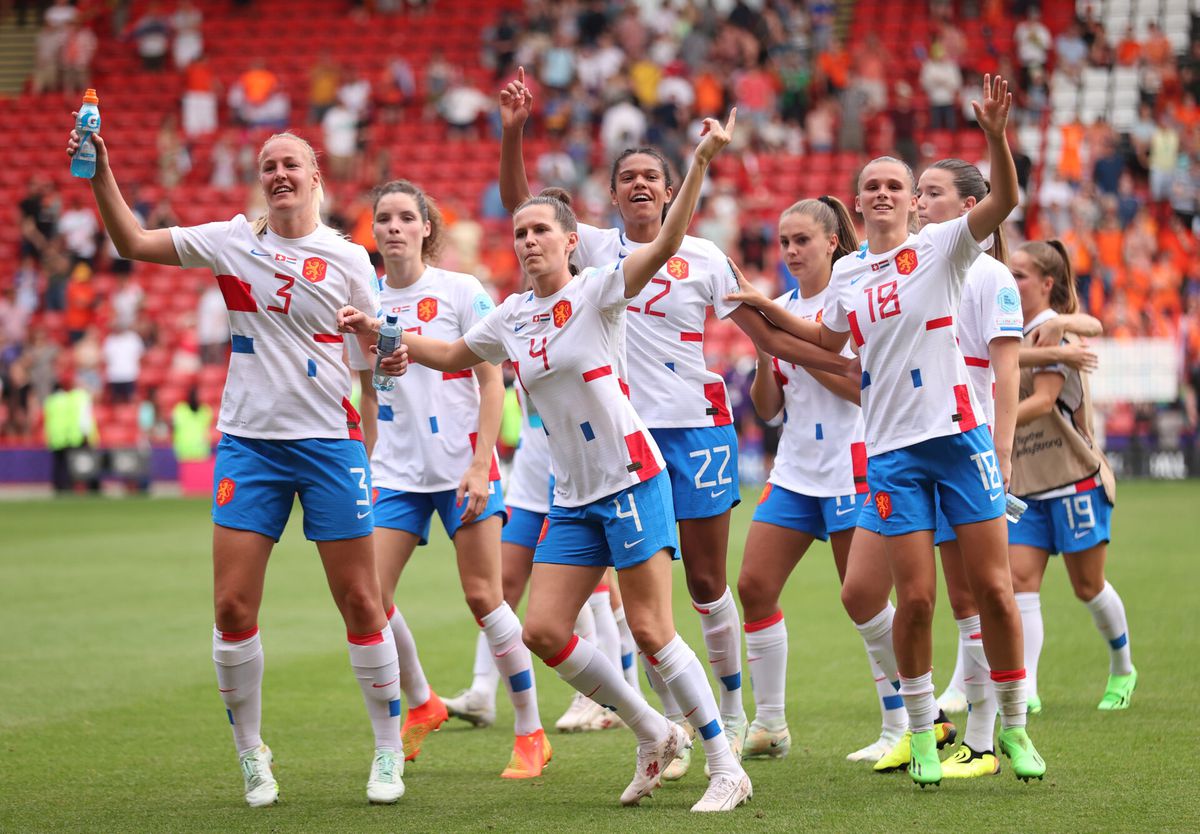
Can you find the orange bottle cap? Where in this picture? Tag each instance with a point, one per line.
(90, 97)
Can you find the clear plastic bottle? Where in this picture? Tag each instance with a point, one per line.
(83, 163)
(389, 340)
(1014, 508)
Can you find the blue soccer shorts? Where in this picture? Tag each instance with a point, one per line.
(255, 483)
(523, 528)
(413, 512)
(819, 517)
(1068, 524)
(703, 467)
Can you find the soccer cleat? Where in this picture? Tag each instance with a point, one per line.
(735, 733)
(472, 707)
(531, 753)
(384, 785)
(924, 766)
(724, 793)
(261, 788)
(1033, 704)
(602, 718)
(952, 700)
(965, 763)
(944, 730)
(1024, 759)
(678, 768)
(420, 722)
(898, 757)
(578, 717)
(876, 750)
(1119, 691)
(652, 760)
(765, 743)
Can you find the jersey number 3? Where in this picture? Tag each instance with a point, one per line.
(284, 292)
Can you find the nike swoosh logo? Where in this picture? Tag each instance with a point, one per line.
(227, 690)
(384, 685)
(519, 327)
(507, 651)
(995, 496)
(689, 715)
(633, 544)
(854, 281)
(364, 515)
(717, 494)
(843, 512)
(1081, 534)
(260, 254)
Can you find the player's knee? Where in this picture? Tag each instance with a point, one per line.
(753, 597)
(481, 601)
(1087, 588)
(916, 607)
(706, 586)
(234, 612)
(542, 640)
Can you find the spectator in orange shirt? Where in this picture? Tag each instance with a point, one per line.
(1128, 49)
(834, 65)
(258, 99)
(81, 302)
(1157, 49)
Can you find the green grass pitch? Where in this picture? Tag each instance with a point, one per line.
(110, 721)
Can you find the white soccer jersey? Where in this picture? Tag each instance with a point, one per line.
(528, 484)
(899, 307)
(429, 421)
(566, 351)
(990, 309)
(287, 380)
(669, 383)
(821, 451)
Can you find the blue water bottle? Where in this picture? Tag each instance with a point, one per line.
(83, 163)
(389, 340)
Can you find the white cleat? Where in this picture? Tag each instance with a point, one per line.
(385, 785)
(735, 734)
(725, 793)
(763, 742)
(952, 700)
(678, 768)
(652, 761)
(472, 707)
(876, 750)
(601, 718)
(578, 717)
(261, 788)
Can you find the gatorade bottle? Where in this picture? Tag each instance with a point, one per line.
(83, 163)
(389, 340)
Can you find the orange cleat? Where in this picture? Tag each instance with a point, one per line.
(420, 722)
(531, 753)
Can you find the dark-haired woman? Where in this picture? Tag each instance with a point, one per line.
(684, 404)
(612, 499)
(436, 453)
(1060, 472)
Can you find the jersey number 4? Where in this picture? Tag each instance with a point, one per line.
(885, 298)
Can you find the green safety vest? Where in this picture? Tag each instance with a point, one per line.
(63, 415)
(191, 432)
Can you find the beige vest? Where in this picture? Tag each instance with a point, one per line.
(1058, 449)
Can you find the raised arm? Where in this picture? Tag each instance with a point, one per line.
(992, 115)
(516, 103)
(130, 239)
(642, 264)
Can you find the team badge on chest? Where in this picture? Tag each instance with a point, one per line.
(906, 261)
(562, 312)
(677, 268)
(427, 309)
(314, 269)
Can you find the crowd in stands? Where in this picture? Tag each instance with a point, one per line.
(606, 75)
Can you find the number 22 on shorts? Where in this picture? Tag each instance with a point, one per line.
(723, 454)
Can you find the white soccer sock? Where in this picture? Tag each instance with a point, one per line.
(1010, 688)
(956, 679)
(919, 701)
(486, 677)
(1108, 613)
(608, 639)
(682, 672)
(766, 660)
(670, 707)
(373, 658)
(412, 676)
(582, 666)
(876, 635)
(981, 700)
(1030, 605)
(722, 630)
(628, 649)
(585, 624)
(238, 659)
(503, 631)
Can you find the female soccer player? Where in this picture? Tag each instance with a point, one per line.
(925, 442)
(683, 403)
(818, 484)
(612, 502)
(288, 428)
(436, 453)
(1068, 485)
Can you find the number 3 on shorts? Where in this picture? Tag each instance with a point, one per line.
(630, 513)
(720, 452)
(365, 501)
